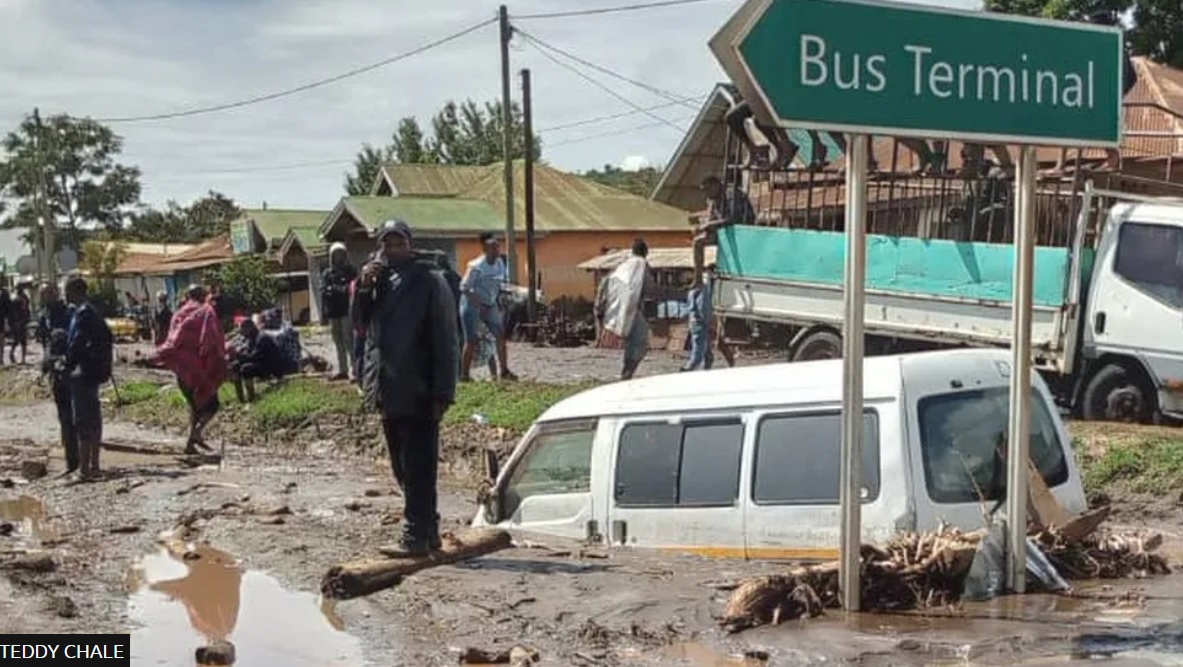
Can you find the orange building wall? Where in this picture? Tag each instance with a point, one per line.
(560, 253)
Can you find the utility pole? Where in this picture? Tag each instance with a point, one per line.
(47, 243)
(507, 143)
(528, 128)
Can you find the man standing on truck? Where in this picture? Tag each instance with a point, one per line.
(412, 358)
(622, 298)
(334, 290)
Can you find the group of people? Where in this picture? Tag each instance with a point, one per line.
(478, 301)
(15, 316)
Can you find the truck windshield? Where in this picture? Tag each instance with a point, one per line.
(960, 434)
(1150, 257)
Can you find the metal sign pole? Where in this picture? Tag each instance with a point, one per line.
(850, 491)
(1019, 430)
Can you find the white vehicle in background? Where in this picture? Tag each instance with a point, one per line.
(744, 462)
(1107, 327)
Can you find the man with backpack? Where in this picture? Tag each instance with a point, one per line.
(88, 360)
(52, 330)
(334, 302)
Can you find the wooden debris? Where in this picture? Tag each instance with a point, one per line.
(32, 562)
(34, 470)
(358, 578)
(518, 656)
(124, 530)
(929, 570)
(220, 652)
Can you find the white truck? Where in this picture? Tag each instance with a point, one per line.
(1107, 328)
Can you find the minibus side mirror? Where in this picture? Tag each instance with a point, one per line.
(493, 501)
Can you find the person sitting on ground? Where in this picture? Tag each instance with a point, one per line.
(195, 351)
(252, 356)
(271, 323)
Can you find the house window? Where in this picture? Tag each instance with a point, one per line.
(798, 459)
(960, 438)
(693, 464)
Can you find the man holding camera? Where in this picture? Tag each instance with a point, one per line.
(407, 309)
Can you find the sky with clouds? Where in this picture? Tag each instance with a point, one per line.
(118, 58)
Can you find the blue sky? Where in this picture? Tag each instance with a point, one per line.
(112, 58)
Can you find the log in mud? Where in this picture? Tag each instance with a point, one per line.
(359, 578)
(926, 570)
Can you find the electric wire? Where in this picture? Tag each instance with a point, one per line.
(305, 87)
(606, 10)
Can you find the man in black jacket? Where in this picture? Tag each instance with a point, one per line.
(89, 356)
(334, 302)
(52, 329)
(411, 369)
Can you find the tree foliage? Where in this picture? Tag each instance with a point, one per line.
(99, 259)
(205, 218)
(464, 133)
(77, 161)
(246, 284)
(1157, 30)
(640, 182)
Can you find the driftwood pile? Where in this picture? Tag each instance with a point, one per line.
(928, 570)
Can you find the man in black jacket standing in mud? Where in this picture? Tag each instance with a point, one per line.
(410, 372)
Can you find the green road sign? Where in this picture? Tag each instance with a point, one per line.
(909, 70)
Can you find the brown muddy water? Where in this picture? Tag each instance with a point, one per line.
(183, 600)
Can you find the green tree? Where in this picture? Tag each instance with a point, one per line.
(204, 218)
(1159, 31)
(246, 283)
(77, 161)
(640, 182)
(99, 259)
(463, 133)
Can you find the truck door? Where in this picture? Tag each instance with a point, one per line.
(675, 484)
(1136, 300)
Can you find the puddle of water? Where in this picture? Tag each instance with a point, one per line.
(701, 655)
(182, 604)
(29, 516)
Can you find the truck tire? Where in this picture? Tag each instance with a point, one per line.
(1115, 393)
(821, 344)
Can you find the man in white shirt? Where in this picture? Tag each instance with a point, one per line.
(480, 289)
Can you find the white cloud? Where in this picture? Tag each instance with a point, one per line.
(106, 58)
(635, 162)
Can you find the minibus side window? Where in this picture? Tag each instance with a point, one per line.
(960, 433)
(558, 461)
(694, 464)
(798, 459)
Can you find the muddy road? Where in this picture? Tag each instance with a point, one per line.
(265, 527)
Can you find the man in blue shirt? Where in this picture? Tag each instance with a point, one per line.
(89, 356)
(481, 289)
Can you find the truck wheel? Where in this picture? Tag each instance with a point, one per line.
(821, 344)
(1116, 394)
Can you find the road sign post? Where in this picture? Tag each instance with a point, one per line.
(850, 491)
(894, 69)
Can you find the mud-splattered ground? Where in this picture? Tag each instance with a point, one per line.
(276, 517)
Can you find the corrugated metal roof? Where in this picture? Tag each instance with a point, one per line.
(567, 202)
(207, 253)
(426, 180)
(659, 258)
(273, 224)
(423, 214)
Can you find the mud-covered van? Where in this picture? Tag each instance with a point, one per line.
(745, 462)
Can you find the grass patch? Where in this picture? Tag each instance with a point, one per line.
(293, 402)
(513, 405)
(135, 391)
(1152, 466)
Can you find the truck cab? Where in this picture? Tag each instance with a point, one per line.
(1132, 330)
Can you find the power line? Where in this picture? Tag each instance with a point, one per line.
(606, 10)
(305, 87)
(615, 116)
(607, 89)
(627, 130)
(538, 43)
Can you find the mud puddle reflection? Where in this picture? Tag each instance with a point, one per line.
(184, 600)
(29, 519)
